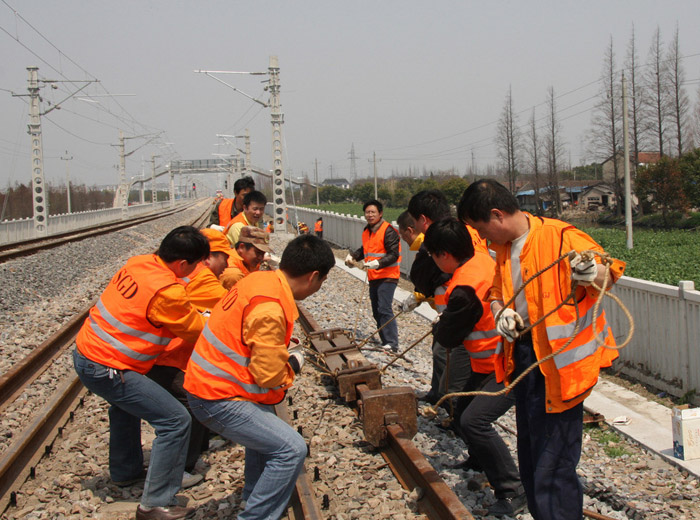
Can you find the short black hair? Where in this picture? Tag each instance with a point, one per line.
(374, 202)
(405, 220)
(184, 243)
(481, 197)
(243, 183)
(254, 196)
(305, 254)
(449, 235)
(431, 203)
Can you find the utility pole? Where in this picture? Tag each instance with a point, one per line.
(626, 145)
(66, 158)
(277, 119)
(316, 177)
(330, 168)
(123, 190)
(154, 192)
(353, 165)
(41, 200)
(374, 160)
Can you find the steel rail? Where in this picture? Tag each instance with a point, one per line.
(436, 500)
(28, 247)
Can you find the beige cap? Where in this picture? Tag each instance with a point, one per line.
(256, 236)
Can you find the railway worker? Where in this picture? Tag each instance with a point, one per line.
(549, 400)
(318, 227)
(467, 321)
(142, 309)
(204, 290)
(427, 207)
(303, 228)
(243, 364)
(226, 209)
(381, 251)
(250, 251)
(253, 210)
(431, 279)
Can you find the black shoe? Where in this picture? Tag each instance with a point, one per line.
(469, 464)
(129, 482)
(508, 506)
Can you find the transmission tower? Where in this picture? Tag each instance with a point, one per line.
(353, 165)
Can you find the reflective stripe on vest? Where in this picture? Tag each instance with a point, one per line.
(441, 298)
(114, 342)
(121, 327)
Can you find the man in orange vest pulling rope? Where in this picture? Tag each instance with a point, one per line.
(142, 309)
(244, 362)
(381, 252)
(549, 399)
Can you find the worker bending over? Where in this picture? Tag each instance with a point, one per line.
(252, 246)
(467, 323)
(242, 365)
(142, 309)
(204, 291)
(549, 400)
(381, 252)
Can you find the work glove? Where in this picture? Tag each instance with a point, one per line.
(583, 271)
(296, 355)
(217, 227)
(372, 264)
(267, 257)
(508, 323)
(410, 303)
(349, 261)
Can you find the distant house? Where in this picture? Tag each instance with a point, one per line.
(338, 183)
(596, 197)
(568, 195)
(645, 158)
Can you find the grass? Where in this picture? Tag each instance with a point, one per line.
(613, 444)
(354, 208)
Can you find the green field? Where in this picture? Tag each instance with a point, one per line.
(659, 256)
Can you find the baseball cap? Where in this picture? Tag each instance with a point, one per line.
(217, 240)
(256, 236)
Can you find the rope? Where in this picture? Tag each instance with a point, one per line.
(605, 260)
(359, 306)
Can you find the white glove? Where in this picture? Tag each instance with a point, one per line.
(217, 227)
(583, 271)
(349, 261)
(507, 325)
(267, 257)
(410, 303)
(372, 264)
(296, 351)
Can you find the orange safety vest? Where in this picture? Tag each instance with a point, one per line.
(225, 211)
(318, 227)
(373, 247)
(178, 351)
(218, 367)
(478, 242)
(572, 374)
(238, 218)
(483, 343)
(117, 332)
(440, 297)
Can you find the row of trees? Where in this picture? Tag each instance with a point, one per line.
(662, 118)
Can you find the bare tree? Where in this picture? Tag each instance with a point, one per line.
(508, 140)
(679, 97)
(695, 121)
(533, 151)
(554, 148)
(606, 136)
(637, 100)
(656, 80)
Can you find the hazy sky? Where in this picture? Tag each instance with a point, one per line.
(421, 83)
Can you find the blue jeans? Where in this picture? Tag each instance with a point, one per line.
(274, 452)
(381, 294)
(549, 445)
(133, 397)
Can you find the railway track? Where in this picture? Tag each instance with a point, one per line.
(28, 247)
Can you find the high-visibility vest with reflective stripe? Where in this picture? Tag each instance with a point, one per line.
(373, 247)
(117, 332)
(483, 343)
(572, 374)
(218, 367)
(440, 297)
(178, 351)
(225, 211)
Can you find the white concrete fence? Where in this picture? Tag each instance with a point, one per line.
(665, 350)
(23, 229)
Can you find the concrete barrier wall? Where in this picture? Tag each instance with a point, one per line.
(665, 350)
